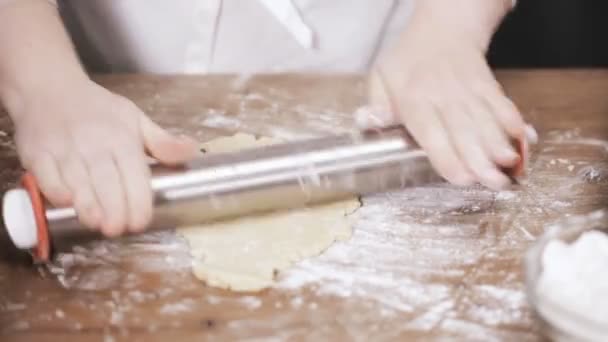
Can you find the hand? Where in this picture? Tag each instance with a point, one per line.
(87, 147)
(442, 90)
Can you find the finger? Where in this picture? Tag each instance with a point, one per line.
(461, 130)
(75, 174)
(380, 110)
(531, 135)
(135, 176)
(428, 130)
(46, 172)
(373, 117)
(110, 193)
(505, 111)
(164, 146)
(378, 96)
(494, 139)
(376, 88)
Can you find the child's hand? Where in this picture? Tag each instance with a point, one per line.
(441, 88)
(86, 147)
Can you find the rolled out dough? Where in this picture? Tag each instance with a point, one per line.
(245, 254)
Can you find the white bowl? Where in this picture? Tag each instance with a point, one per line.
(558, 322)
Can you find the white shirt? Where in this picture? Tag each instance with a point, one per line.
(232, 36)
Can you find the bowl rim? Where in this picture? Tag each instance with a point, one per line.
(567, 230)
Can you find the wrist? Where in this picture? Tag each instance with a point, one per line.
(38, 60)
(16, 95)
(470, 23)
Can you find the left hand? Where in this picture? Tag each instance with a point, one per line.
(443, 91)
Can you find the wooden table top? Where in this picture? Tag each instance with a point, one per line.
(424, 263)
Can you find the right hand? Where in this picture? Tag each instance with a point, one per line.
(86, 147)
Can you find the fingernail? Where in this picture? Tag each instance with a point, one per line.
(510, 155)
(531, 135)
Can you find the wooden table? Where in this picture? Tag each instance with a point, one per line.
(426, 263)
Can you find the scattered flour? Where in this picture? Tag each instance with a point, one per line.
(296, 302)
(220, 120)
(59, 314)
(506, 195)
(406, 228)
(13, 306)
(381, 241)
(98, 265)
(251, 302)
(20, 326)
(177, 307)
(590, 174)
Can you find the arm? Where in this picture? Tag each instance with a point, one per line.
(63, 122)
(438, 84)
(37, 53)
(467, 21)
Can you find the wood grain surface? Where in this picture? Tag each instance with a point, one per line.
(434, 262)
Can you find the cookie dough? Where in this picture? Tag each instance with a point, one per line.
(245, 254)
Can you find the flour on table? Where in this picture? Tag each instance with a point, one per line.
(246, 253)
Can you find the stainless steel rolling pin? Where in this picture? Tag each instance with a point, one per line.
(220, 186)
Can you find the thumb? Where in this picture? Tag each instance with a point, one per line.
(379, 111)
(377, 92)
(165, 147)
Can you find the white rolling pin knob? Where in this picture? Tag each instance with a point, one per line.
(19, 218)
(25, 219)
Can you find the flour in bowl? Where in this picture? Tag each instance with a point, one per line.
(572, 290)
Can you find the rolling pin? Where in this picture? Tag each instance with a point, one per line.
(221, 186)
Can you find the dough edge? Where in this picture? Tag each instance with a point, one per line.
(333, 223)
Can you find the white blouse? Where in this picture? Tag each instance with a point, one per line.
(232, 36)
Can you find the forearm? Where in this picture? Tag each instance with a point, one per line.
(37, 55)
(465, 21)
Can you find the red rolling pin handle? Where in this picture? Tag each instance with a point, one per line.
(519, 169)
(42, 252)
